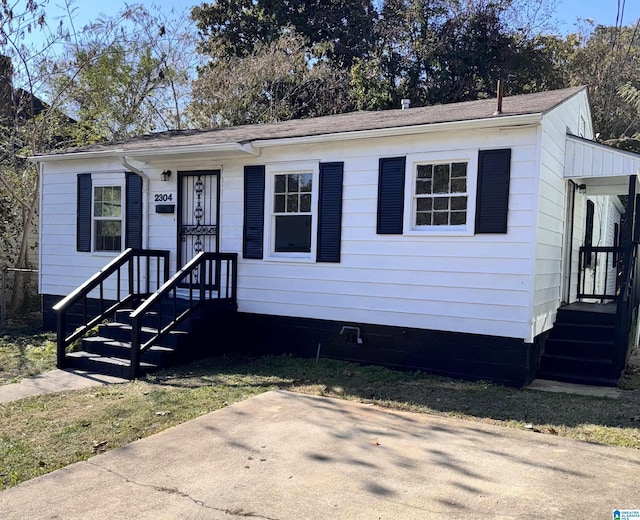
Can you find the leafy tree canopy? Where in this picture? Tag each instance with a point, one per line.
(233, 28)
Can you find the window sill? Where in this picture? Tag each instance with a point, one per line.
(290, 258)
(447, 232)
(108, 254)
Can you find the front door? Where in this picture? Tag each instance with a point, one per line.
(199, 200)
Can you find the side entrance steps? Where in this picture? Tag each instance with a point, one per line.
(581, 346)
(109, 352)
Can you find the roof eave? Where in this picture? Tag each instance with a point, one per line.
(251, 149)
(148, 155)
(472, 124)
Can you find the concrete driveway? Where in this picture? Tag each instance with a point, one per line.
(289, 456)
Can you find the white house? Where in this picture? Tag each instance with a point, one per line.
(442, 238)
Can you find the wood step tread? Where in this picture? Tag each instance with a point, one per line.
(603, 361)
(573, 324)
(144, 329)
(607, 342)
(127, 345)
(568, 377)
(106, 359)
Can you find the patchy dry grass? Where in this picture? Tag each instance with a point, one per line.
(43, 433)
(630, 380)
(40, 434)
(24, 353)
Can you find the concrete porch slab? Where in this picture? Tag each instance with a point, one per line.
(545, 385)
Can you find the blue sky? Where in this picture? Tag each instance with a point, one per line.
(602, 11)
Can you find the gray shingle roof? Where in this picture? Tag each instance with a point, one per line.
(350, 122)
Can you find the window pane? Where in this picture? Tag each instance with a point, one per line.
(424, 171)
(459, 169)
(292, 203)
(293, 234)
(305, 182)
(441, 178)
(107, 201)
(441, 203)
(108, 235)
(440, 219)
(97, 201)
(281, 185)
(458, 217)
(111, 209)
(424, 204)
(305, 202)
(292, 182)
(278, 205)
(459, 185)
(423, 187)
(423, 219)
(458, 203)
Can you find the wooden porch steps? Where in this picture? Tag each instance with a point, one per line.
(580, 346)
(110, 351)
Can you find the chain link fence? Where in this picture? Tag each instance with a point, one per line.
(19, 298)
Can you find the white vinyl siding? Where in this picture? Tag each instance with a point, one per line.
(550, 198)
(474, 284)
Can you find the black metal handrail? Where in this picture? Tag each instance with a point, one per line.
(198, 281)
(627, 303)
(128, 286)
(598, 264)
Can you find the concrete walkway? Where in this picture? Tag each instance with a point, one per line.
(290, 456)
(54, 381)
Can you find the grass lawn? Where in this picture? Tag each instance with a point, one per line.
(43, 433)
(24, 353)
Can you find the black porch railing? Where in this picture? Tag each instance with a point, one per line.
(207, 277)
(599, 273)
(628, 301)
(599, 268)
(133, 274)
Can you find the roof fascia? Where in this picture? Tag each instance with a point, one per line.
(596, 144)
(250, 148)
(242, 149)
(472, 124)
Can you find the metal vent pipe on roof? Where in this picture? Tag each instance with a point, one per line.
(499, 109)
(405, 103)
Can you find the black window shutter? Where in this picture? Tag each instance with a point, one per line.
(492, 198)
(616, 244)
(330, 212)
(253, 212)
(588, 232)
(391, 195)
(133, 225)
(83, 226)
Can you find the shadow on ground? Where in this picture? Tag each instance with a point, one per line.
(413, 391)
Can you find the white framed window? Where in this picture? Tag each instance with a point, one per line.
(107, 211)
(292, 201)
(442, 190)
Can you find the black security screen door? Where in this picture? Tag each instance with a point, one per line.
(199, 199)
